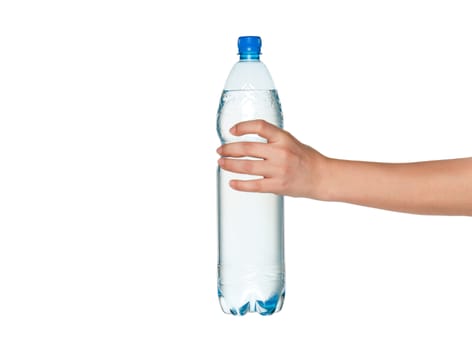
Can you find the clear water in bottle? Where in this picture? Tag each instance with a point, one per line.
(251, 271)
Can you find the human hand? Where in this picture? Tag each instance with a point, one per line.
(288, 166)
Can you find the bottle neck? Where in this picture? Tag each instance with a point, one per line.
(249, 57)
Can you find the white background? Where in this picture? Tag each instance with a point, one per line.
(107, 172)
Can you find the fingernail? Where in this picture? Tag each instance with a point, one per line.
(220, 161)
(218, 150)
(232, 130)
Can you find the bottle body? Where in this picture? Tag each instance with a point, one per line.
(251, 269)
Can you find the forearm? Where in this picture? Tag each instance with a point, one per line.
(436, 187)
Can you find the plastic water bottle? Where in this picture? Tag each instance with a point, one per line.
(251, 268)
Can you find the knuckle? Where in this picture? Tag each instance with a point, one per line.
(235, 129)
(247, 166)
(285, 139)
(226, 164)
(284, 173)
(247, 148)
(284, 184)
(284, 155)
(235, 184)
(287, 136)
(257, 186)
(260, 125)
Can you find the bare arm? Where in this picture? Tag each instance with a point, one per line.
(442, 187)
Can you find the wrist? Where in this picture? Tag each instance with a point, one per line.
(326, 186)
(320, 177)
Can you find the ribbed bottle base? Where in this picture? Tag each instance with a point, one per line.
(262, 307)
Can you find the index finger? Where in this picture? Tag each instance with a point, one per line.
(260, 127)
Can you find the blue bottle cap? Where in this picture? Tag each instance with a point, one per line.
(249, 46)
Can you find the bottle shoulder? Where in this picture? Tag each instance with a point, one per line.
(249, 75)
